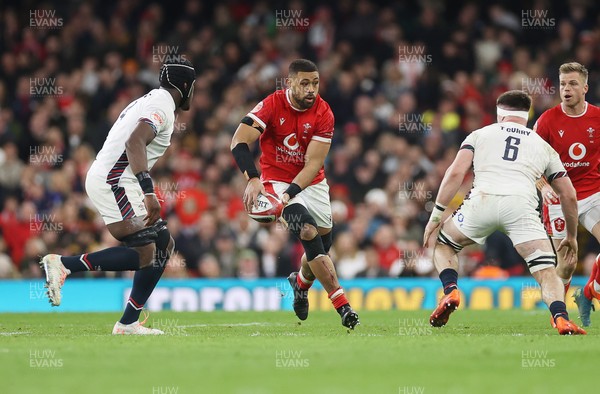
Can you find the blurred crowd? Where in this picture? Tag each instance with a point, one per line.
(406, 81)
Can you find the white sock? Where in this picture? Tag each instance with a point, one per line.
(597, 286)
(304, 280)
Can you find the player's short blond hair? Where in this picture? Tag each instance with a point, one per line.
(574, 67)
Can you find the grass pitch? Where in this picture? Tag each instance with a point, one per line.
(269, 352)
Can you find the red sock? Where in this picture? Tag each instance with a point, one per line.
(338, 298)
(595, 272)
(303, 283)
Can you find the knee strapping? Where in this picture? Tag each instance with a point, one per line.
(445, 239)
(540, 260)
(148, 235)
(143, 237)
(313, 248)
(163, 235)
(295, 217)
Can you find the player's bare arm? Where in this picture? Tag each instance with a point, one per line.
(568, 203)
(314, 159)
(453, 178)
(245, 135)
(135, 147)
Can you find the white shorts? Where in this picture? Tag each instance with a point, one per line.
(517, 216)
(315, 198)
(589, 215)
(117, 202)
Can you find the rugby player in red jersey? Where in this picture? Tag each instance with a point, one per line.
(294, 128)
(572, 128)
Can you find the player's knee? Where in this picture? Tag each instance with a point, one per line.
(163, 239)
(300, 222)
(313, 247)
(308, 232)
(445, 239)
(540, 260)
(143, 237)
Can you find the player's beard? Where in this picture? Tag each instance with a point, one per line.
(304, 103)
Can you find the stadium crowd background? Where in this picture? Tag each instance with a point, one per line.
(407, 81)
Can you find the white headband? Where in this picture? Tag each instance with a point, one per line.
(507, 112)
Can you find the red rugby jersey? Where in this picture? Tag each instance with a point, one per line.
(287, 133)
(576, 139)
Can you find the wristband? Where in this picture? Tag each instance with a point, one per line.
(292, 190)
(145, 182)
(245, 162)
(436, 214)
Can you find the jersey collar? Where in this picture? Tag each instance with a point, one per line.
(172, 101)
(287, 96)
(575, 116)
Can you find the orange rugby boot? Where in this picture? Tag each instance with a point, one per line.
(448, 304)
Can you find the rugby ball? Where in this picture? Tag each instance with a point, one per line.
(267, 210)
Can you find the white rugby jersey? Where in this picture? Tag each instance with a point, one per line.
(157, 109)
(509, 158)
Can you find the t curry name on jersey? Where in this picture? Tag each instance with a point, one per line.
(287, 131)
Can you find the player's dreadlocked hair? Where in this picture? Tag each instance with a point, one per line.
(178, 74)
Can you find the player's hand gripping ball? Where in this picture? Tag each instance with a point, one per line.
(267, 209)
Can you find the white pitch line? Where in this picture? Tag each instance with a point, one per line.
(6, 334)
(233, 325)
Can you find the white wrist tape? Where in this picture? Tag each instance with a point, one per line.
(436, 214)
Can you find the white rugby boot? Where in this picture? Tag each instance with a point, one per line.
(135, 328)
(56, 273)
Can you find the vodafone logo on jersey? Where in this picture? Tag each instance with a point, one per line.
(577, 151)
(291, 142)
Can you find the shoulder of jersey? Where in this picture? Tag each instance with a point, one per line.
(490, 127)
(160, 94)
(552, 111)
(595, 109)
(322, 106)
(278, 94)
(322, 103)
(157, 95)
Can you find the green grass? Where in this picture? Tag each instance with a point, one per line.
(269, 352)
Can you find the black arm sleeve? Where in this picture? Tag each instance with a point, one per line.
(244, 160)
